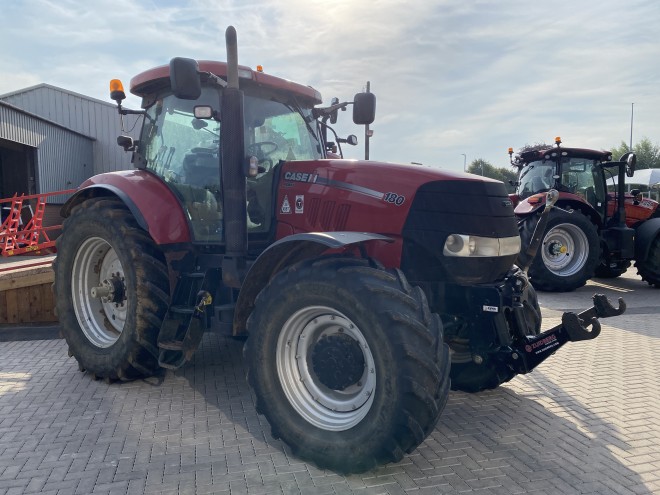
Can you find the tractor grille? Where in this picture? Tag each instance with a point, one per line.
(449, 207)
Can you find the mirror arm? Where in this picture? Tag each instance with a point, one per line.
(212, 78)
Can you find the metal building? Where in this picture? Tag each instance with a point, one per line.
(53, 139)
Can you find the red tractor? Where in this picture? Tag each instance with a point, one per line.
(590, 231)
(362, 287)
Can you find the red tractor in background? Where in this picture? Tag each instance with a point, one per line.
(590, 231)
(364, 288)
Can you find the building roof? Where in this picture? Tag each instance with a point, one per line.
(39, 117)
(37, 87)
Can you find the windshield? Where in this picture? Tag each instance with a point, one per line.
(535, 177)
(277, 131)
(579, 176)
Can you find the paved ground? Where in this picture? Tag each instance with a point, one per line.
(586, 421)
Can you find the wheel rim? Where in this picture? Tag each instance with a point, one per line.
(96, 266)
(565, 249)
(311, 338)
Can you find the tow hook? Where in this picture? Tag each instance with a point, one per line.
(573, 328)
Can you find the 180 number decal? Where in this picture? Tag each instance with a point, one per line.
(394, 198)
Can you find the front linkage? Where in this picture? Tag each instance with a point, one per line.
(529, 352)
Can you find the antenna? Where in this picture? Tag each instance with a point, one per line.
(632, 109)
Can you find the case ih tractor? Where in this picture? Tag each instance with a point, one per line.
(590, 231)
(362, 287)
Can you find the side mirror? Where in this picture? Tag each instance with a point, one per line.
(631, 161)
(352, 140)
(333, 115)
(184, 78)
(126, 142)
(364, 108)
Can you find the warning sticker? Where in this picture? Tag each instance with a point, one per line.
(300, 203)
(286, 207)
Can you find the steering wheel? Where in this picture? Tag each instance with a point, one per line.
(262, 150)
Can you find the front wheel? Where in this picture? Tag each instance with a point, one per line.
(347, 363)
(111, 288)
(569, 252)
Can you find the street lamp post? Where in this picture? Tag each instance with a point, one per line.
(464, 162)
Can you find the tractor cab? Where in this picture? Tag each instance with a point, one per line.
(575, 172)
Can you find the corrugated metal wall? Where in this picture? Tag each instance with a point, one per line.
(88, 116)
(64, 158)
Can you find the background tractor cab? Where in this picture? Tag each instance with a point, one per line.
(599, 235)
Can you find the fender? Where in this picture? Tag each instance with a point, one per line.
(284, 253)
(536, 202)
(644, 235)
(154, 206)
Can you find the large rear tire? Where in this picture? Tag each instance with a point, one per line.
(111, 290)
(569, 252)
(347, 363)
(649, 268)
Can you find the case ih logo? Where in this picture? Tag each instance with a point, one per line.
(300, 177)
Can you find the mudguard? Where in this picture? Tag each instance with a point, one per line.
(286, 252)
(644, 235)
(154, 206)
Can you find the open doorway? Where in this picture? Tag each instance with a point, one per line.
(17, 171)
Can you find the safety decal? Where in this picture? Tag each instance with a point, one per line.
(490, 309)
(300, 203)
(286, 207)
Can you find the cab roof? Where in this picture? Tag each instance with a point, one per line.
(547, 153)
(151, 81)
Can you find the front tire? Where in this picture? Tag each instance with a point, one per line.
(649, 268)
(569, 252)
(347, 363)
(111, 290)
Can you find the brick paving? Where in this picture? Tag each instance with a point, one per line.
(586, 421)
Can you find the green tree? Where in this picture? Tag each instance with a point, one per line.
(482, 167)
(648, 154)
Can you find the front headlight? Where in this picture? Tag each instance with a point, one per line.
(480, 247)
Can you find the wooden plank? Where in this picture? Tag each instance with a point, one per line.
(23, 305)
(26, 277)
(12, 306)
(3, 307)
(34, 296)
(48, 303)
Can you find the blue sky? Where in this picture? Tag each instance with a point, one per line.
(451, 77)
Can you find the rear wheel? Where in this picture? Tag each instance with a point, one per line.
(569, 252)
(649, 268)
(347, 363)
(111, 289)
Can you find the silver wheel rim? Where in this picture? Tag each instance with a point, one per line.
(323, 407)
(95, 264)
(565, 249)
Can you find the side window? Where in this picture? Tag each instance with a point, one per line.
(185, 152)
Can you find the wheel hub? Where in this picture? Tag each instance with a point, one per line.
(338, 361)
(557, 249)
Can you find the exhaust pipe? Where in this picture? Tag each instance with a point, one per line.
(233, 176)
